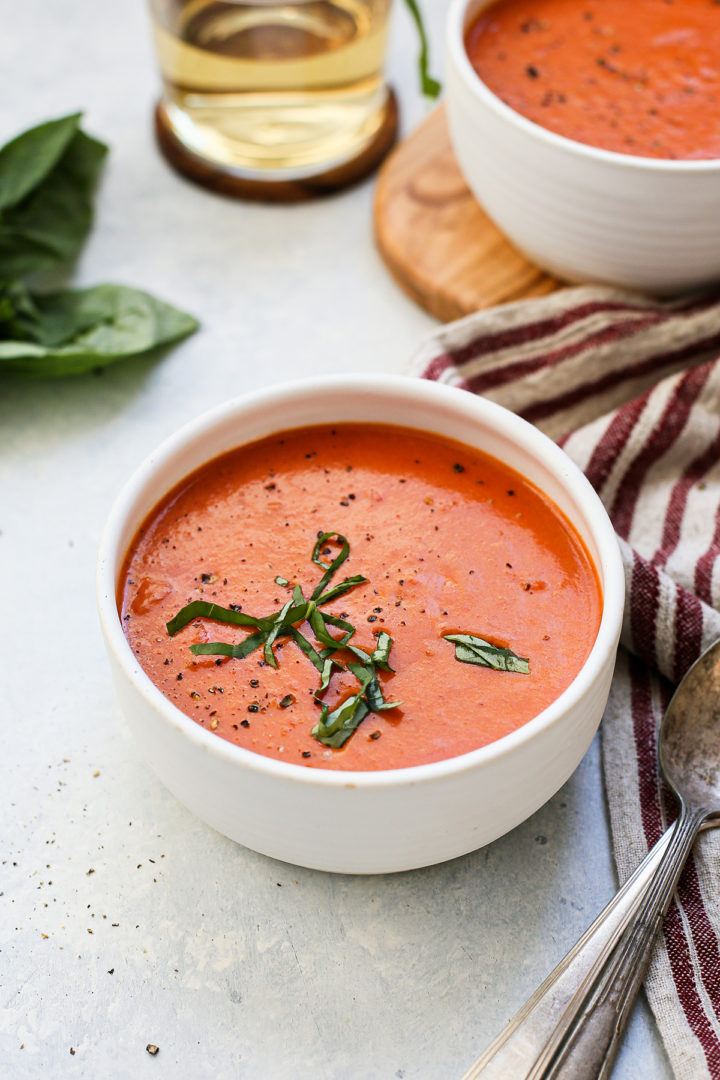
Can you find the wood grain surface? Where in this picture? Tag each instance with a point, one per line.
(434, 236)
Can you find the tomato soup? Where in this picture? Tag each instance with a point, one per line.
(634, 76)
(422, 547)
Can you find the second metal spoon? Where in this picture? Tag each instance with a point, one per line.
(570, 1029)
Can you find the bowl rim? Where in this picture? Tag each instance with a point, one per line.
(455, 47)
(551, 457)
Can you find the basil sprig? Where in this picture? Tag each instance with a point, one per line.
(470, 649)
(47, 180)
(333, 728)
(430, 87)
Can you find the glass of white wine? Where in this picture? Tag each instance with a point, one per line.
(272, 90)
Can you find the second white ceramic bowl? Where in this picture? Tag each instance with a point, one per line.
(364, 822)
(582, 213)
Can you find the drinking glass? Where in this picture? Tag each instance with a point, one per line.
(272, 89)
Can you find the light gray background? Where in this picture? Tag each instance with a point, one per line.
(235, 965)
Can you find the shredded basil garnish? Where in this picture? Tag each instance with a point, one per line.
(470, 649)
(304, 645)
(268, 653)
(222, 648)
(337, 561)
(202, 609)
(334, 728)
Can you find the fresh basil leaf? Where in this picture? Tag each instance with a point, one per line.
(19, 315)
(47, 214)
(470, 649)
(282, 581)
(223, 648)
(29, 157)
(79, 330)
(203, 609)
(430, 87)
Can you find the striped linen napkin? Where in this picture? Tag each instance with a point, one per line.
(630, 388)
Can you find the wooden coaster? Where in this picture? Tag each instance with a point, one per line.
(214, 177)
(436, 239)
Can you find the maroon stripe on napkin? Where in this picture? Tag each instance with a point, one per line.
(510, 372)
(612, 442)
(687, 991)
(688, 631)
(624, 319)
(666, 431)
(437, 368)
(487, 343)
(643, 601)
(644, 724)
(705, 564)
(653, 365)
(704, 937)
(678, 500)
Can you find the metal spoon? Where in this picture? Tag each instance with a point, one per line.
(571, 1027)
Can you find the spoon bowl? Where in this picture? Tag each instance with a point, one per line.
(689, 738)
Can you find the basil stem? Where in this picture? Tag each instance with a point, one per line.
(430, 87)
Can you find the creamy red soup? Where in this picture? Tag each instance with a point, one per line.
(432, 561)
(634, 76)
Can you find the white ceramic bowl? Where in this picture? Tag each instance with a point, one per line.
(364, 822)
(582, 213)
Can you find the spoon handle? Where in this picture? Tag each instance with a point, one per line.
(537, 1030)
(589, 1050)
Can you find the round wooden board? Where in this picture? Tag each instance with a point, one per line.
(435, 238)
